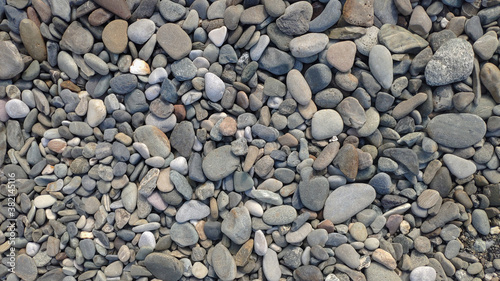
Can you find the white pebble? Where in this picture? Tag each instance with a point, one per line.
(180, 165)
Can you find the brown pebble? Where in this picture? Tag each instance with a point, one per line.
(99, 16)
(228, 126)
(327, 225)
(43, 10)
(67, 84)
(180, 112)
(33, 16)
(57, 145)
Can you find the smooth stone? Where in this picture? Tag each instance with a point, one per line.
(348, 200)
(448, 212)
(155, 140)
(192, 210)
(376, 272)
(164, 266)
(307, 273)
(171, 11)
(67, 64)
(237, 225)
(184, 234)
(480, 221)
(114, 36)
(214, 87)
(11, 60)
(423, 273)
(140, 31)
(458, 166)
(313, 192)
(28, 271)
(182, 138)
(341, 55)
(359, 12)
(280, 215)
(352, 112)
(326, 123)
(452, 62)
(276, 61)
(220, 163)
(348, 255)
(77, 39)
(490, 78)
(123, 84)
(44, 201)
(223, 263)
(298, 87)
(328, 17)
(308, 44)
(16, 109)
(456, 130)
(96, 112)
(399, 40)
(174, 41)
(380, 62)
(33, 40)
(295, 20)
(271, 266)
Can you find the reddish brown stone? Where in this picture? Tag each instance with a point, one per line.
(99, 16)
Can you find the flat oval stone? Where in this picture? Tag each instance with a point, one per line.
(223, 263)
(26, 269)
(457, 130)
(220, 163)
(33, 40)
(164, 266)
(156, 141)
(174, 41)
(308, 44)
(114, 36)
(280, 215)
(348, 200)
(380, 62)
(298, 87)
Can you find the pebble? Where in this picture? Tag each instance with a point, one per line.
(459, 167)
(77, 39)
(114, 36)
(16, 109)
(308, 45)
(164, 266)
(140, 31)
(447, 129)
(237, 225)
(174, 41)
(220, 163)
(279, 215)
(341, 55)
(214, 87)
(424, 273)
(445, 67)
(339, 206)
(192, 210)
(380, 62)
(326, 123)
(270, 266)
(223, 263)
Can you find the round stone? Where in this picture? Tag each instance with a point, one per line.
(16, 109)
(174, 41)
(326, 123)
(114, 36)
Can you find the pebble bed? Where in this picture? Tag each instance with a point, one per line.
(250, 140)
